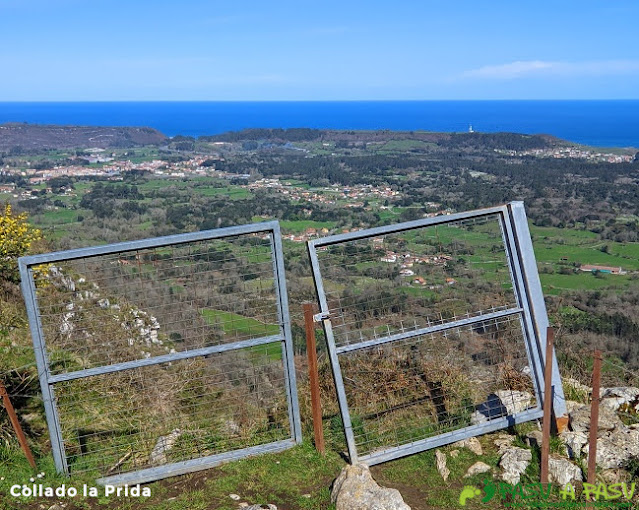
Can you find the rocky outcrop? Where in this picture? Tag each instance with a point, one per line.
(574, 442)
(580, 419)
(514, 462)
(621, 398)
(615, 448)
(355, 489)
(562, 472)
(617, 443)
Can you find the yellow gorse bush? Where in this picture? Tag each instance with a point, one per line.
(16, 237)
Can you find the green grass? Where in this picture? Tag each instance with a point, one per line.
(238, 325)
(556, 283)
(286, 479)
(298, 226)
(58, 217)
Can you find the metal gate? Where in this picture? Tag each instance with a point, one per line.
(164, 356)
(435, 330)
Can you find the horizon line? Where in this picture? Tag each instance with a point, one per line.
(302, 100)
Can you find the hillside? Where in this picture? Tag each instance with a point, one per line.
(42, 137)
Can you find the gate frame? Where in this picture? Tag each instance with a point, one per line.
(530, 308)
(47, 380)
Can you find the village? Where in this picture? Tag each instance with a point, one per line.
(571, 153)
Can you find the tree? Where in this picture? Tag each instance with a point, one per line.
(16, 237)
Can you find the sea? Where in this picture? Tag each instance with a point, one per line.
(609, 123)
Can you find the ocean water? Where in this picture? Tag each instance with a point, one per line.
(598, 123)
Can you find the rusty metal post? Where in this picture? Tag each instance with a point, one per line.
(548, 396)
(16, 425)
(313, 375)
(594, 417)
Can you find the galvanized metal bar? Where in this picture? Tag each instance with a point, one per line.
(449, 437)
(528, 328)
(39, 348)
(165, 358)
(340, 390)
(537, 304)
(333, 357)
(431, 329)
(190, 466)
(402, 227)
(156, 242)
(285, 328)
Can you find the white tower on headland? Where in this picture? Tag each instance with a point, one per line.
(470, 128)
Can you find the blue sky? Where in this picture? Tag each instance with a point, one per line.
(72, 50)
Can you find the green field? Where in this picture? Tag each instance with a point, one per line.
(238, 325)
(298, 226)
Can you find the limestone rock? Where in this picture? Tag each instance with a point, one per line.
(580, 419)
(514, 462)
(534, 438)
(610, 476)
(472, 443)
(453, 453)
(574, 442)
(501, 403)
(562, 472)
(162, 447)
(440, 461)
(477, 468)
(355, 489)
(261, 507)
(503, 442)
(615, 448)
(624, 397)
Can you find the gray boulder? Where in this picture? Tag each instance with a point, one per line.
(616, 447)
(624, 397)
(563, 472)
(514, 462)
(580, 419)
(355, 489)
(574, 442)
(477, 468)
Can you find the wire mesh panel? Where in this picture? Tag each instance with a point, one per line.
(164, 356)
(430, 332)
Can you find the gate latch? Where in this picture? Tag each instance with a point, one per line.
(322, 316)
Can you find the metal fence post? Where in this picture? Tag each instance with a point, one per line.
(545, 438)
(594, 417)
(16, 425)
(313, 376)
